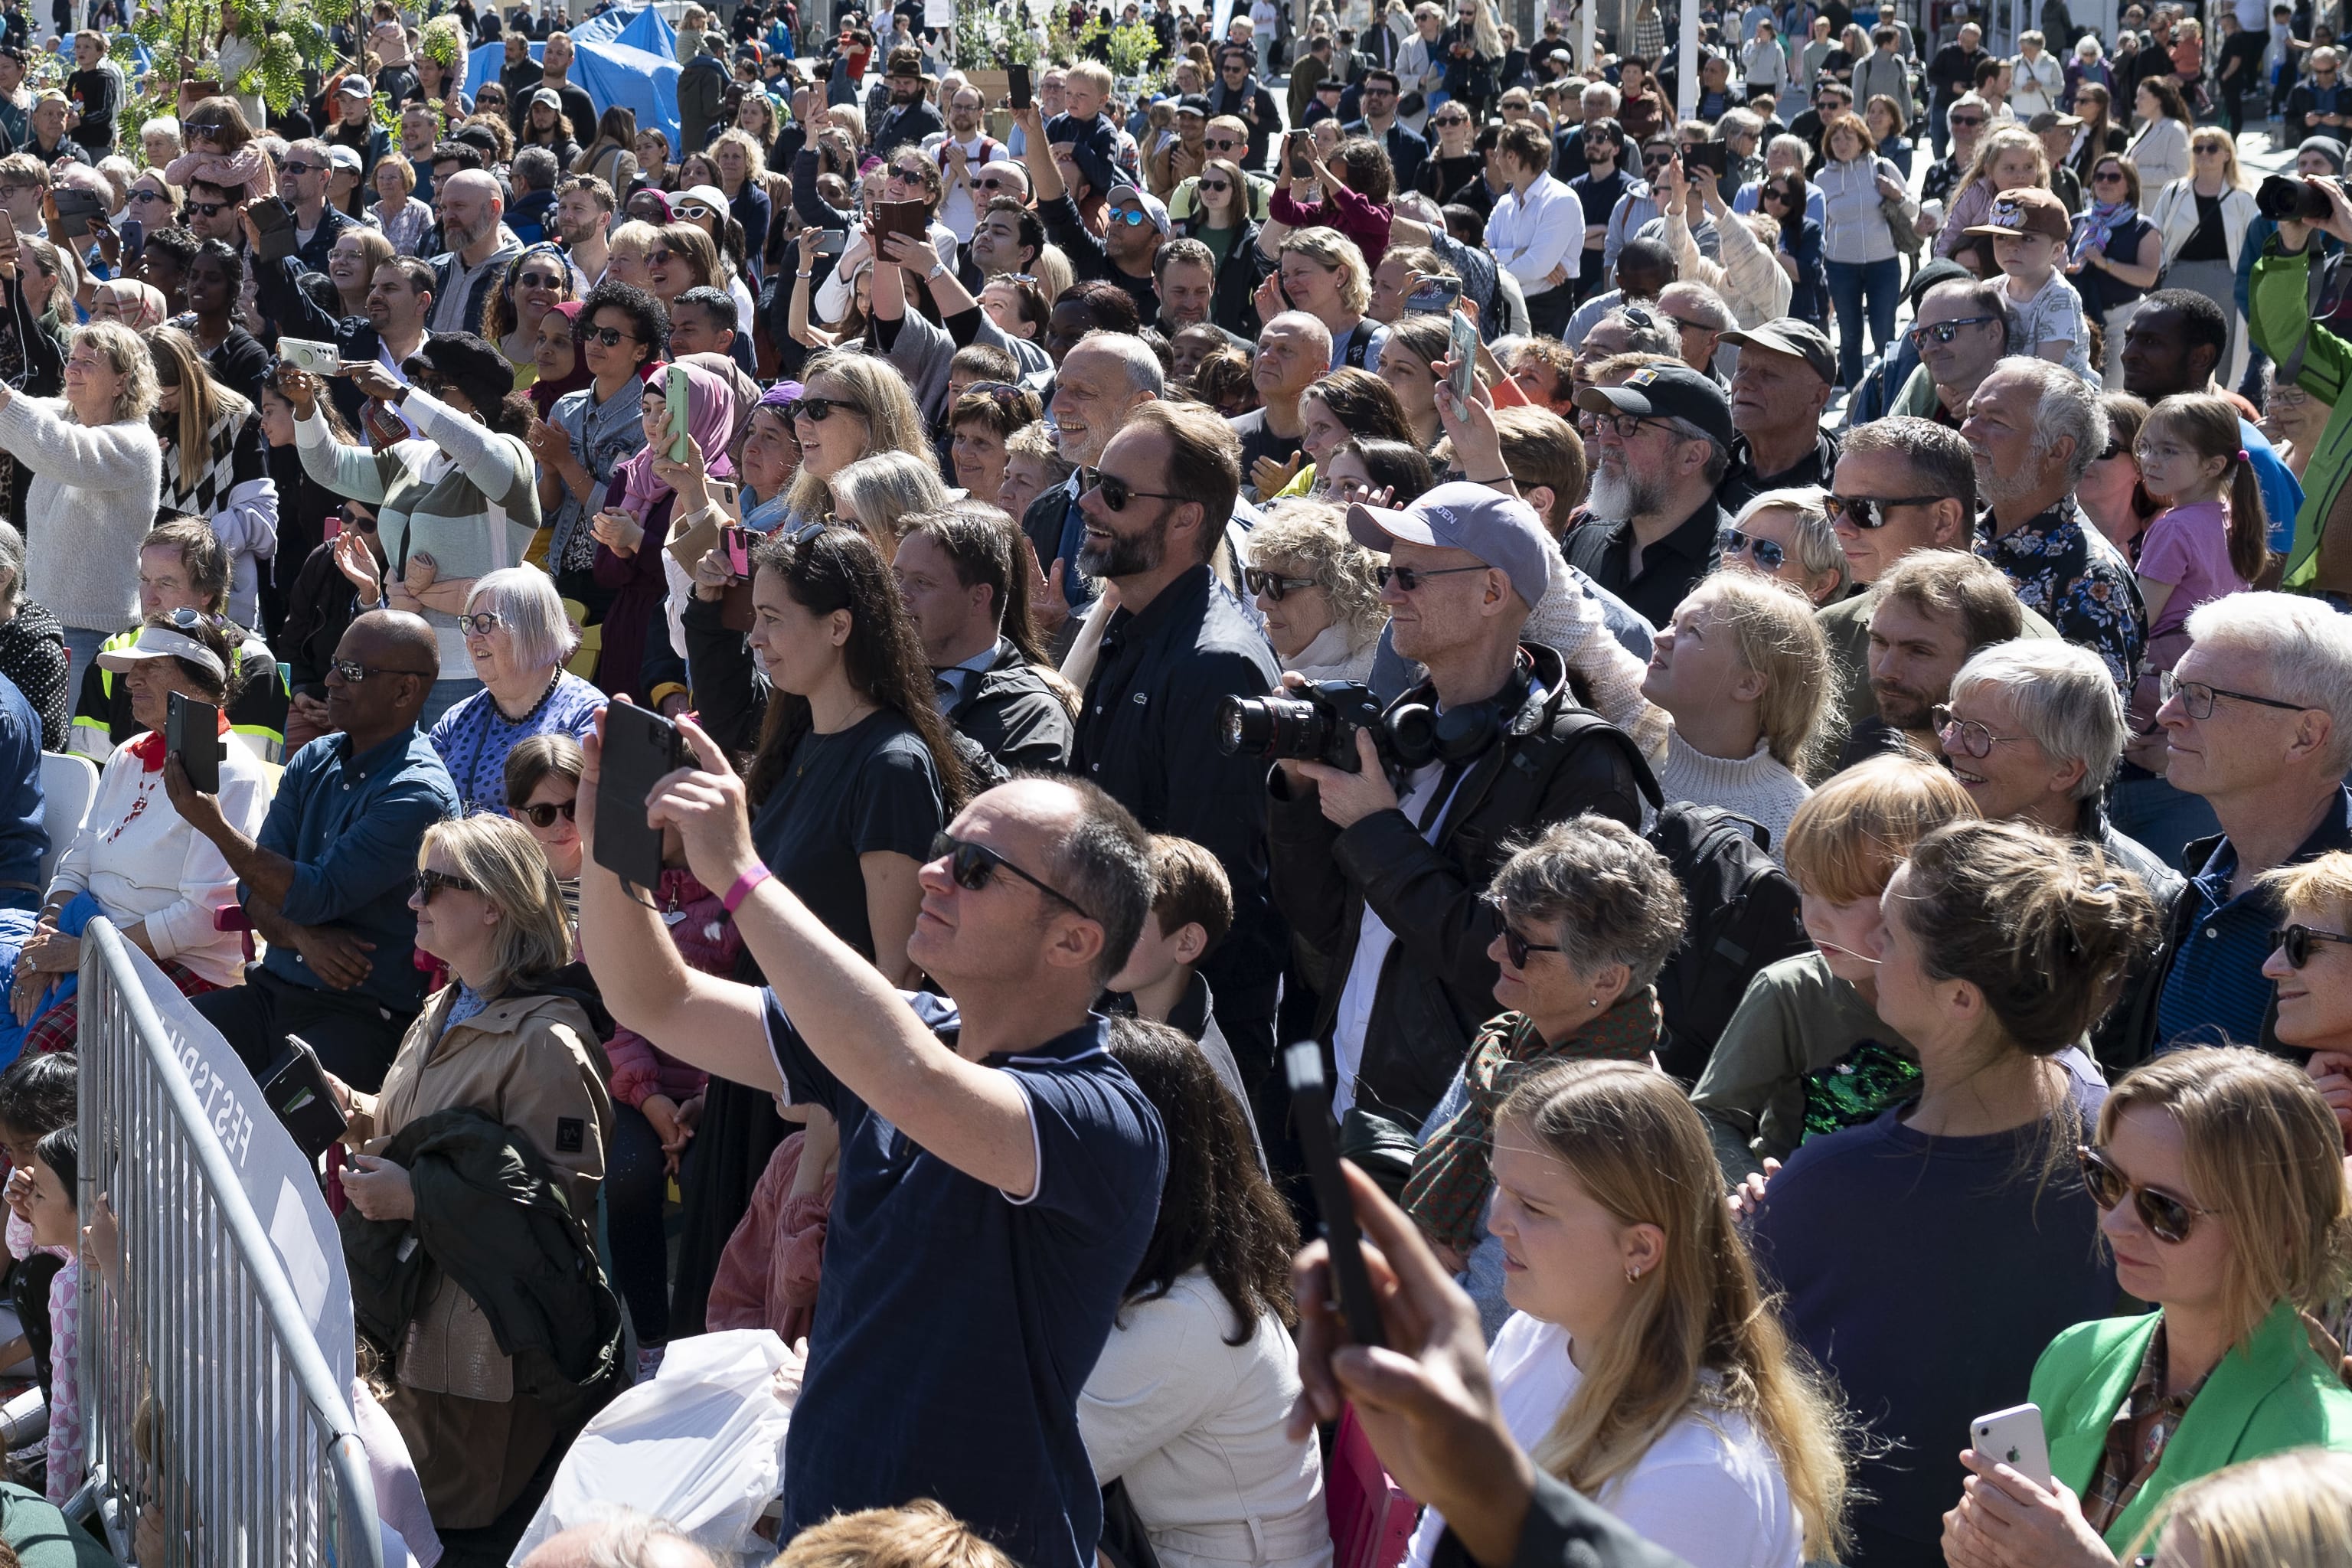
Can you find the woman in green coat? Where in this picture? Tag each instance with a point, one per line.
(2221, 1178)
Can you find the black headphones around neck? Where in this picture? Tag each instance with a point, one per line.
(1463, 732)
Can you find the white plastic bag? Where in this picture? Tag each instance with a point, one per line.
(702, 1446)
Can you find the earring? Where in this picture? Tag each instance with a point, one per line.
(1592, 1001)
(1631, 1274)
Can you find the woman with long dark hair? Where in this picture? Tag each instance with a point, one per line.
(216, 464)
(612, 156)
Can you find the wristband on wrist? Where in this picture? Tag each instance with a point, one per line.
(733, 898)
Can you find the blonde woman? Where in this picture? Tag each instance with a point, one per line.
(216, 464)
(625, 250)
(850, 406)
(876, 492)
(1317, 589)
(1642, 1366)
(2203, 217)
(2290, 1510)
(1322, 272)
(1469, 52)
(2219, 1178)
(1728, 705)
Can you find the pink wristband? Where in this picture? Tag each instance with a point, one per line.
(734, 896)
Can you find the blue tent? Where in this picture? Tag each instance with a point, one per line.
(643, 28)
(609, 73)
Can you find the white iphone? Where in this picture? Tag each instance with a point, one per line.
(2014, 1437)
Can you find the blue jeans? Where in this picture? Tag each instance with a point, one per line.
(1852, 284)
(635, 1186)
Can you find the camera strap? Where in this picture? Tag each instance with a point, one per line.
(2325, 278)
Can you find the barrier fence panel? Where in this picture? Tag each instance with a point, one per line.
(203, 1391)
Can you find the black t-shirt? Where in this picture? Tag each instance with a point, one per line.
(1257, 441)
(2209, 243)
(1438, 178)
(871, 787)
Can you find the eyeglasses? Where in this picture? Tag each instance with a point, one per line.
(149, 196)
(1117, 492)
(205, 209)
(431, 882)
(204, 127)
(1768, 554)
(817, 410)
(910, 173)
(1942, 332)
(972, 865)
(660, 257)
(2167, 1218)
(1870, 511)
(1625, 426)
(354, 672)
(1516, 947)
(541, 815)
(611, 337)
(1962, 121)
(291, 167)
(1409, 579)
(481, 623)
(1971, 737)
(2196, 697)
(1267, 584)
(1217, 188)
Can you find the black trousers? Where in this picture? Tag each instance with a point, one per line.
(355, 1036)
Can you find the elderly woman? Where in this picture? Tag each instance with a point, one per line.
(405, 220)
(518, 637)
(94, 460)
(1786, 535)
(136, 860)
(1317, 589)
(2218, 1177)
(490, 1041)
(32, 645)
(1590, 914)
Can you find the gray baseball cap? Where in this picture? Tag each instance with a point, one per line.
(1499, 530)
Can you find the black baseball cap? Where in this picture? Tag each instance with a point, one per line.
(1797, 339)
(1665, 392)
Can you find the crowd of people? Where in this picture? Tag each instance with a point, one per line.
(1816, 860)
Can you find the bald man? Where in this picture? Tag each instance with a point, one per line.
(479, 244)
(629, 1540)
(327, 880)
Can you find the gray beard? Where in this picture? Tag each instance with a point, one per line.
(1622, 494)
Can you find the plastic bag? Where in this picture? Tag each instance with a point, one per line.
(702, 1446)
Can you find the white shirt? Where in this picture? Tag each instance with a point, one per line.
(957, 210)
(1709, 1491)
(1531, 234)
(1373, 940)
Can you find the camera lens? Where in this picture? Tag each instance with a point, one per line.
(1243, 725)
(1270, 727)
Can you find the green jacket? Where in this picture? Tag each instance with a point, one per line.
(2280, 298)
(2267, 1396)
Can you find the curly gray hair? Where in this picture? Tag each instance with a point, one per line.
(1608, 897)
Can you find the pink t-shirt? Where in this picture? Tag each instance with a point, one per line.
(2188, 547)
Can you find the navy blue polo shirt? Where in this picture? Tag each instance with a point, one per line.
(957, 1326)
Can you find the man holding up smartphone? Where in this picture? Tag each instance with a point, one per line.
(993, 1155)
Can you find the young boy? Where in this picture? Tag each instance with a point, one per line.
(2030, 232)
(1192, 910)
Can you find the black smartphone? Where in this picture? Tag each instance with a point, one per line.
(76, 209)
(1301, 168)
(192, 733)
(640, 748)
(275, 220)
(1016, 82)
(295, 1087)
(1319, 1139)
(135, 238)
(1715, 156)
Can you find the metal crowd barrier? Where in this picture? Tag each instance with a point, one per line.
(203, 1390)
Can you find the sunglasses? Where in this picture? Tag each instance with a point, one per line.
(611, 337)
(2108, 177)
(543, 814)
(1128, 215)
(1408, 579)
(817, 410)
(1516, 947)
(537, 280)
(1223, 144)
(1117, 492)
(1451, 120)
(660, 257)
(1870, 511)
(1943, 332)
(1218, 188)
(997, 185)
(431, 882)
(2167, 1218)
(290, 167)
(204, 128)
(973, 864)
(1962, 121)
(209, 209)
(2294, 942)
(1277, 588)
(1768, 554)
(910, 174)
(149, 196)
(692, 211)
(354, 672)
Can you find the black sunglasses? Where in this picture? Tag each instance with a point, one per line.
(1943, 332)
(431, 882)
(1117, 492)
(354, 672)
(1870, 511)
(1768, 554)
(2167, 1218)
(209, 209)
(1409, 578)
(543, 814)
(2294, 941)
(611, 337)
(1271, 586)
(817, 410)
(971, 865)
(1516, 947)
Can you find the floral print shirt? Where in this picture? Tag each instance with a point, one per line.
(2068, 572)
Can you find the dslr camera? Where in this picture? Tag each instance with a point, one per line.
(2290, 198)
(1319, 724)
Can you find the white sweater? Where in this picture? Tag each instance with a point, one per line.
(142, 861)
(92, 499)
(1756, 786)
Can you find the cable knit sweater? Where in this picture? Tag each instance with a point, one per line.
(92, 499)
(1755, 786)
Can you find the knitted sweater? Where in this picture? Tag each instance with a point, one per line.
(1756, 786)
(92, 499)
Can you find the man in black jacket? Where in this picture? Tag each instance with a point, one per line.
(1385, 874)
(911, 116)
(955, 568)
(1178, 643)
(1951, 73)
(1242, 95)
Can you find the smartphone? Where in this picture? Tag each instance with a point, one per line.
(135, 238)
(833, 242)
(738, 551)
(295, 1087)
(76, 209)
(1016, 80)
(1462, 348)
(1301, 166)
(676, 393)
(1318, 1137)
(1711, 155)
(640, 748)
(308, 353)
(192, 733)
(2015, 1439)
(274, 220)
(7, 227)
(1433, 297)
(727, 499)
(901, 217)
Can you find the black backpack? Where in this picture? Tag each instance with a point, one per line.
(1744, 914)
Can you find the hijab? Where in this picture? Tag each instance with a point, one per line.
(143, 305)
(543, 394)
(709, 419)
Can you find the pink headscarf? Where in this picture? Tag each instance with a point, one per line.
(710, 420)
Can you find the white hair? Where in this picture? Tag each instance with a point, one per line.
(526, 603)
(2064, 697)
(1144, 371)
(2306, 645)
(1602, 92)
(2065, 405)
